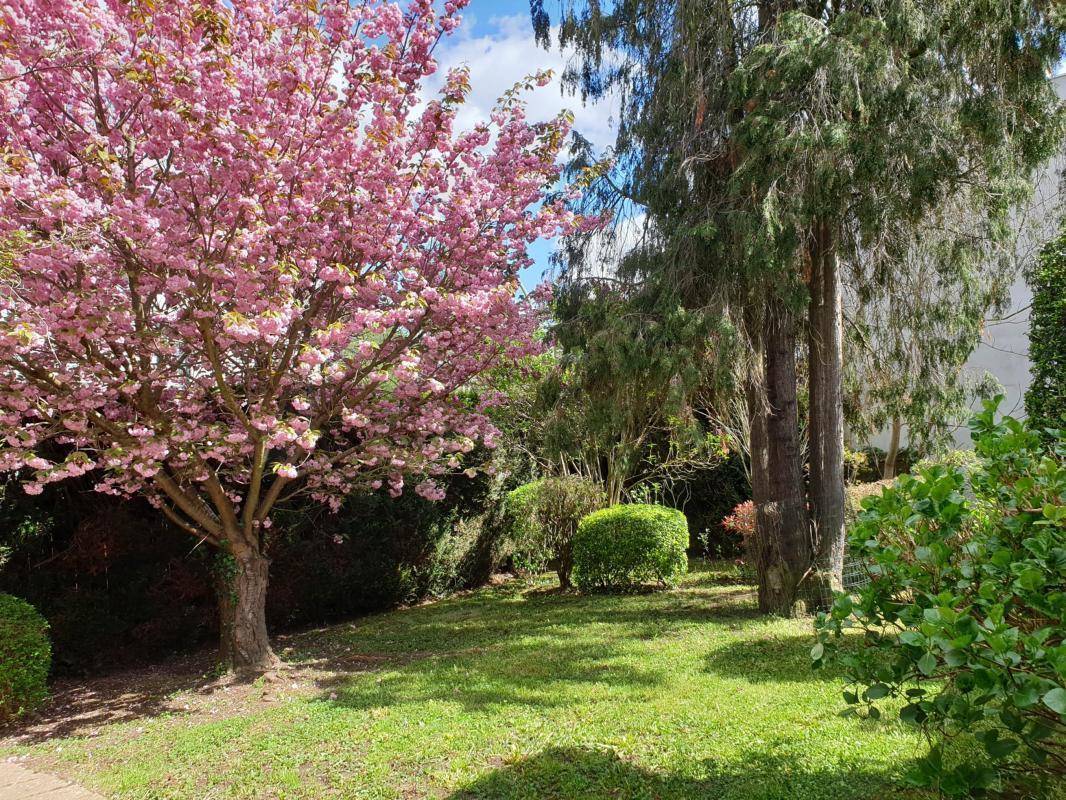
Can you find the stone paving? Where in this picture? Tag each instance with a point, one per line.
(18, 782)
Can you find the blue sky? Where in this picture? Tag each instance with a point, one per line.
(479, 11)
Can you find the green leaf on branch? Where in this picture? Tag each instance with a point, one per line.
(927, 664)
(1056, 700)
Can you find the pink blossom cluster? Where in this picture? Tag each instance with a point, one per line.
(241, 257)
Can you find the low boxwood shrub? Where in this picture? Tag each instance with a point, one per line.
(628, 545)
(25, 657)
(964, 616)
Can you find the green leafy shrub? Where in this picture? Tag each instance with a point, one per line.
(542, 519)
(952, 459)
(856, 463)
(868, 465)
(965, 614)
(855, 494)
(707, 497)
(1045, 399)
(25, 657)
(529, 551)
(560, 506)
(627, 545)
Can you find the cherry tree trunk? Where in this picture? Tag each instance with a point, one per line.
(826, 424)
(245, 645)
(783, 541)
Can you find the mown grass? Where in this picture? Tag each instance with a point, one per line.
(519, 693)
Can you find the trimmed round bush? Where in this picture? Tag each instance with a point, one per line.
(25, 657)
(628, 545)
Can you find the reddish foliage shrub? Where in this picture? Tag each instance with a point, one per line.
(742, 521)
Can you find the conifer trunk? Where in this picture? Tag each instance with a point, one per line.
(783, 544)
(826, 414)
(757, 445)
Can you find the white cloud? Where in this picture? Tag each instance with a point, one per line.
(501, 58)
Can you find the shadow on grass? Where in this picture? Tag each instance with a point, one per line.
(526, 647)
(78, 707)
(503, 614)
(527, 673)
(540, 642)
(780, 659)
(591, 774)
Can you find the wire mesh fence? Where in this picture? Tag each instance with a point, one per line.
(816, 594)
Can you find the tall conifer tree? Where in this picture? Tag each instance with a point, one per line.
(785, 150)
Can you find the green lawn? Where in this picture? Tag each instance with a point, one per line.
(514, 692)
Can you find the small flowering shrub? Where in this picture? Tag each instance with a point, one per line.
(628, 545)
(25, 657)
(965, 615)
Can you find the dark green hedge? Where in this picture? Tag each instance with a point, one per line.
(628, 545)
(119, 586)
(1045, 399)
(25, 657)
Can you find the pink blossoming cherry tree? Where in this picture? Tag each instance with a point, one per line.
(245, 258)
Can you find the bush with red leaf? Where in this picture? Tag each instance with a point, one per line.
(742, 523)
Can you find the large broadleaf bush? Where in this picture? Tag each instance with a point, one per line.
(964, 618)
